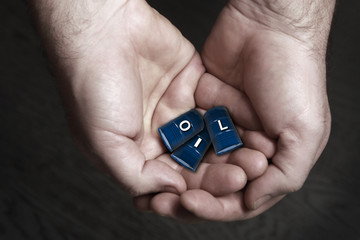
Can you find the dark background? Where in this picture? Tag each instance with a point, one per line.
(48, 190)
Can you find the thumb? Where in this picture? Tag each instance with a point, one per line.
(136, 175)
(287, 172)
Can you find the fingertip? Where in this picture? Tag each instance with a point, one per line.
(202, 204)
(169, 205)
(164, 203)
(260, 165)
(229, 179)
(253, 162)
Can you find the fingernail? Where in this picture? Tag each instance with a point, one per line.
(261, 201)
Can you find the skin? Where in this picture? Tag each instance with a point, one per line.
(119, 86)
(124, 70)
(278, 67)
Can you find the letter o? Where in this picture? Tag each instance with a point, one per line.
(187, 127)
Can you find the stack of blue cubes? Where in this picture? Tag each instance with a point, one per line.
(188, 138)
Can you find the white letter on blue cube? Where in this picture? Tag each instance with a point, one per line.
(222, 131)
(181, 129)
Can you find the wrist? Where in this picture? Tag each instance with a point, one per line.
(307, 21)
(65, 24)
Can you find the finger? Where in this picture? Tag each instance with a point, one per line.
(203, 205)
(217, 179)
(137, 175)
(259, 141)
(225, 208)
(213, 92)
(168, 204)
(252, 161)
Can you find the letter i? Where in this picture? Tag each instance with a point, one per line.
(197, 143)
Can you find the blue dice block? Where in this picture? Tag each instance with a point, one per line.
(222, 131)
(181, 129)
(192, 152)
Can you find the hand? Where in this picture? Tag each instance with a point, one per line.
(271, 66)
(121, 68)
(124, 71)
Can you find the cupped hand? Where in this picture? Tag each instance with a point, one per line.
(120, 83)
(124, 71)
(270, 74)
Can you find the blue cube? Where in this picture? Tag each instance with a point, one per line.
(192, 152)
(222, 131)
(181, 129)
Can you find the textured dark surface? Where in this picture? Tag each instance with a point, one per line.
(48, 190)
